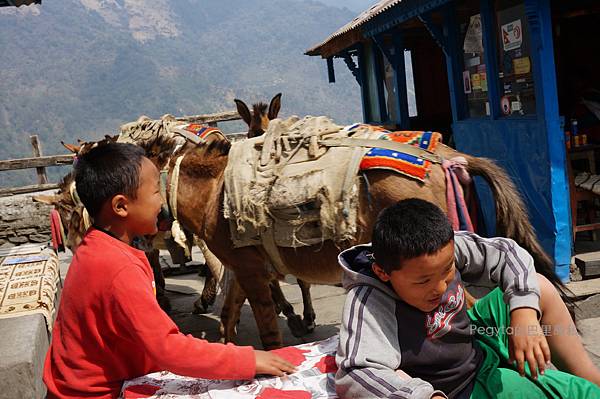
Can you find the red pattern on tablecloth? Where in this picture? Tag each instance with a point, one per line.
(292, 354)
(272, 393)
(314, 379)
(140, 391)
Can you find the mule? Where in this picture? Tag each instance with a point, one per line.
(200, 198)
(258, 120)
(72, 217)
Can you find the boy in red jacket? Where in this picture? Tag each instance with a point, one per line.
(109, 326)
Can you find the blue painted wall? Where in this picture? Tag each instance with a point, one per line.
(520, 146)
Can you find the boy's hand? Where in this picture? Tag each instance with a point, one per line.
(270, 363)
(528, 343)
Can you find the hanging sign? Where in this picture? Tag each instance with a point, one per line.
(473, 38)
(512, 35)
(483, 77)
(522, 65)
(476, 81)
(484, 86)
(467, 82)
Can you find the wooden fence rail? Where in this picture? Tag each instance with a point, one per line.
(36, 162)
(40, 162)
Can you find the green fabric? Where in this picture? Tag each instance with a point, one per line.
(496, 378)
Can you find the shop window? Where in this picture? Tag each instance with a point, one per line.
(410, 85)
(474, 74)
(390, 89)
(371, 90)
(515, 69)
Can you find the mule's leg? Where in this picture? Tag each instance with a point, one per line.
(230, 313)
(294, 321)
(255, 284)
(309, 311)
(208, 296)
(213, 279)
(177, 253)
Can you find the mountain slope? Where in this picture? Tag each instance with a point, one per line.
(79, 68)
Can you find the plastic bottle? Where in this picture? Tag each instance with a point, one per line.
(574, 133)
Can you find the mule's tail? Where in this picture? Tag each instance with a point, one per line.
(512, 220)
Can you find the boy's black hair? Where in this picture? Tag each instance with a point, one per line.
(408, 229)
(106, 171)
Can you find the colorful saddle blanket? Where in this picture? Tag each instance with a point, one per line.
(201, 131)
(406, 164)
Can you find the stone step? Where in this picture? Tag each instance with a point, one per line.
(589, 264)
(23, 347)
(585, 287)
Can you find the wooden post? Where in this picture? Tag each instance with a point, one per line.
(37, 152)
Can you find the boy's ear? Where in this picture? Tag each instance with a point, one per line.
(119, 205)
(379, 272)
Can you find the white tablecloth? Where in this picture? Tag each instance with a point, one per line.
(313, 380)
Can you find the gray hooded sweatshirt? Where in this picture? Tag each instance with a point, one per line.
(389, 349)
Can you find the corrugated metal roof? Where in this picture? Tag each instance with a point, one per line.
(18, 3)
(361, 19)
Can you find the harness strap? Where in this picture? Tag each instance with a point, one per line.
(272, 250)
(386, 144)
(87, 221)
(189, 136)
(164, 178)
(174, 186)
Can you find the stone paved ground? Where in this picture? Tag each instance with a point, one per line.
(328, 302)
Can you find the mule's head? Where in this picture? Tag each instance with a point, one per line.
(71, 213)
(85, 146)
(258, 120)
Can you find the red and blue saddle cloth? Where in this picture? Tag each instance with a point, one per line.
(459, 214)
(201, 131)
(406, 164)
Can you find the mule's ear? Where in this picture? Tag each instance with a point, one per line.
(243, 110)
(275, 106)
(46, 199)
(71, 147)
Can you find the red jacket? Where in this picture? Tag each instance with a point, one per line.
(110, 328)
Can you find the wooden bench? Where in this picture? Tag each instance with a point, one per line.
(586, 199)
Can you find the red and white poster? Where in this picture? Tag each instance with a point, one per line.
(512, 35)
(467, 82)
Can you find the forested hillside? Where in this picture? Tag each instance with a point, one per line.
(79, 68)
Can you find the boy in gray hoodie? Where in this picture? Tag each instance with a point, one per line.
(406, 332)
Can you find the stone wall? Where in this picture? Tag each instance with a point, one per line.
(23, 221)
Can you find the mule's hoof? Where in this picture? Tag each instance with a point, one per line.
(297, 326)
(199, 308)
(310, 326)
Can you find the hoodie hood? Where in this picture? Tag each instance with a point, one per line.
(356, 263)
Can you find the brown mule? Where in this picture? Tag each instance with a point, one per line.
(258, 122)
(259, 119)
(200, 199)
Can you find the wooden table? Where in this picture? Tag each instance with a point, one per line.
(587, 152)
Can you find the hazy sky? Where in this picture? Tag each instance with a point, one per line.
(354, 5)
